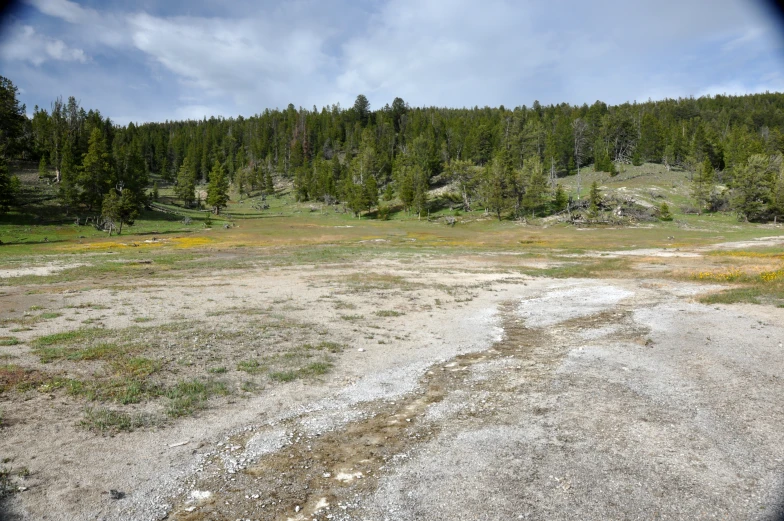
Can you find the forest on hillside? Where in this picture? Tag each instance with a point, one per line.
(507, 160)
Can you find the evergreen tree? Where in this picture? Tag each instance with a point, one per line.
(702, 184)
(12, 119)
(69, 177)
(218, 188)
(405, 187)
(751, 188)
(594, 198)
(560, 201)
(186, 184)
(495, 186)
(95, 177)
(119, 209)
(371, 191)
(664, 212)
(43, 171)
(536, 191)
(7, 195)
(269, 185)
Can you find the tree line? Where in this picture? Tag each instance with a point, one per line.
(506, 160)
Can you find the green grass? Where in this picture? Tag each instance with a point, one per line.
(250, 366)
(9, 341)
(283, 376)
(387, 313)
(70, 337)
(190, 396)
(108, 420)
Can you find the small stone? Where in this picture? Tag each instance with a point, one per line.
(361, 350)
(116, 494)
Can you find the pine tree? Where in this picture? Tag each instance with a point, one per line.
(95, 177)
(119, 209)
(751, 188)
(702, 185)
(664, 212)
(405, 187)
(7, 195)
(269, 185)
(69, 189)
(186, 184)
(218, 188)
(536, 186)
(560, 200)
(43, 171)
(495, 187)
(371, 191)
(421, 187)
(594, 198)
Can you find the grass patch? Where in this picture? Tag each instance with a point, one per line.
(388, 313)
(108, 420)
(603, 268)
(103, 351)
(351, 317)
(315, 369)
(9, 341)
(283, 376)
(70, 337)
(250, 366)
(217, 370)
(50, 315)
(142, 319)
(189, 396)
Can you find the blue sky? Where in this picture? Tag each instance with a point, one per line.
(188, 59)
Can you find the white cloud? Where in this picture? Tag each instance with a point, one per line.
(237, 58)
(430, 52)
(25, 44)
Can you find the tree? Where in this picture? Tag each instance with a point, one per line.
(702, 184)
(536, 190)
(579, 136)
(43, 171)
(560, 201)
(7, 188)
(362, 108)
(751, 188)
(464, 175)
(218, 188)
(186, 184)
(495, 186)
(119, 209)
(95, 177)
(68, 175)
(664, 212)
(12, 118)
(594, 198)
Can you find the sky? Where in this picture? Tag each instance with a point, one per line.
(183, 59)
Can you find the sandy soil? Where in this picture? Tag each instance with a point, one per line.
(486, 395)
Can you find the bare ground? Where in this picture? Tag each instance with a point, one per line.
(463, 391)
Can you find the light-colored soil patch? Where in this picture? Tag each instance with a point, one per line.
(47, 269)
(460, 390)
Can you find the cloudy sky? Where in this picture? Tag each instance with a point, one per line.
(186, 59)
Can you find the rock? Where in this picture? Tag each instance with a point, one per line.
(116, 494)
(361, 350)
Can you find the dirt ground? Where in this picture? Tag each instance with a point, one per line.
(464, 390)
